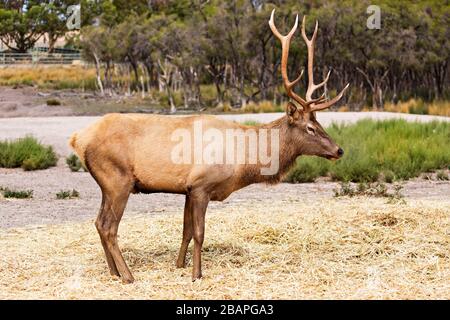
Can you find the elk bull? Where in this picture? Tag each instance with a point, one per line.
(128, 153)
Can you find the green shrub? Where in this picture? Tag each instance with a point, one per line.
(209, 94)
(308, 170)
(442, 175)
(380, 150)
(251, 123)
(262, 107)
(27, 153)
(53, 102)
(18, 194)
(419, 107)
(67, 194)
(163, 99)
(74, 163)
(387, 176)
(344, 189)
(375, 189)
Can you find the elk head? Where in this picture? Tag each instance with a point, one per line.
(304, 128)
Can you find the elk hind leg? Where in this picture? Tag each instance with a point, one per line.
(187, 233)
(109, 258)
(108, 224)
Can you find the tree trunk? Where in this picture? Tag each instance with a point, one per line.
(135, 70)
(375, 85)
(98, 76)
(51, 43)
(166, 77)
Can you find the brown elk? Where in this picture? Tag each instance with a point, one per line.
(128, 153)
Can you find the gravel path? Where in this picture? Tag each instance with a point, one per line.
(57, 130)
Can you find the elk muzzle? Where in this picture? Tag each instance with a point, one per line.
(334, 155)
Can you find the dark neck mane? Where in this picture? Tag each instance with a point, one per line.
(288, 152)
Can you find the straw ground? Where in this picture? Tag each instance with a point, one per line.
(339, 248)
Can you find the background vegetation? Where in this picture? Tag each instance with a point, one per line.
(202, 53)
(380, 150)
(17, 194)
(27, 153)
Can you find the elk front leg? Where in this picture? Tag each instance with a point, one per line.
(187, 233)
(199, 205)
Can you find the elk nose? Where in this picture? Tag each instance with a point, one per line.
(340, 152)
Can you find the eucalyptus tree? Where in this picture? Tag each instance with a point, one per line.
(22, 23)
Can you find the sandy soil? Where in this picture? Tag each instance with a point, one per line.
(27, 102)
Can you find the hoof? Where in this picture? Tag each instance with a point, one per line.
(114, 273)
(196, 277)
(127, 280)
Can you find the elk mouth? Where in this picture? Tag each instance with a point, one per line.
(332, 157)
(335, 156)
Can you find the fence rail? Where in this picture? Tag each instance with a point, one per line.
(7, 58)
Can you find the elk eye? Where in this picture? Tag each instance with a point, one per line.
(310, 130)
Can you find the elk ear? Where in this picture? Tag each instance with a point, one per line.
(292, 112)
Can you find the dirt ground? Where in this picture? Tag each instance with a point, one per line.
(27, 102)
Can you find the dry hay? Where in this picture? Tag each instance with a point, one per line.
(339, 248)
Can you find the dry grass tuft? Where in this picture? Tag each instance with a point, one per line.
(341, 248)
(418, 106)
(262, 107)
(49, 77)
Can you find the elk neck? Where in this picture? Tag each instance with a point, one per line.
(289, 149)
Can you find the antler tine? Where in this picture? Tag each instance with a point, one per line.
(317, 86)
(273, 27)
(331, 102)
(285, 43)
(318, 100)
(293, 83)
(314, 36)
(310, 43)
(277, 33)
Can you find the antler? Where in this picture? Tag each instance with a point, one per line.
(285, 43)
(309, 104)
(310, 43)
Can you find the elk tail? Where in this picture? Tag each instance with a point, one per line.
(76, 146)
